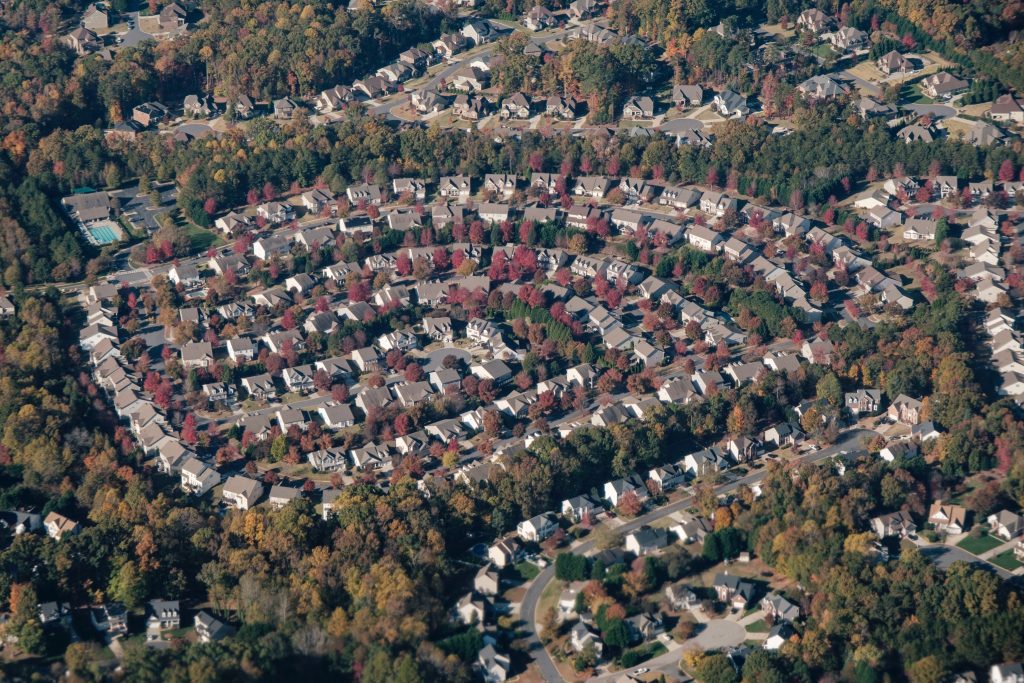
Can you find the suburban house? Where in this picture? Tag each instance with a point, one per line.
(538, 528)
(733, 590)
(899, 524)
(242, 492)
(948, 519)
(1006, 524)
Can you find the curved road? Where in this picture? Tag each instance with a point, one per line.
(850, 440)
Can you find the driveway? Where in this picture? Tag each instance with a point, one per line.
(848, 440)
(717, 634)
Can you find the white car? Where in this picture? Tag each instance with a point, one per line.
(641, 671)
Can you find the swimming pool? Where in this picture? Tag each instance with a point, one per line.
(103, 233)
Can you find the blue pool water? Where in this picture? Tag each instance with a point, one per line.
(104, 234)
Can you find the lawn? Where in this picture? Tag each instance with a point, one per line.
(1006, 559)
(641, 653)
(759, 626)
(976, 545)
(527, 570)
(201, 238)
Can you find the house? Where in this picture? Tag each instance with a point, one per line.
(1006, 524)
(450, 44)
(516, 106)
(823, 87)
(161, 615)
(847, 39)
(57, 526)
(232, 222)
(638, 107)
(186, 275)
(905, 409)
(196, 355)
(275, 212)
(814, 20)
(687, 95)
(863, 401)
(242, 492)
(480, 31)
(149, 113)
(677, 390)
(328, 460)
(503, 184)
(681, 597)
(899, 449)
(1007, 108)
(779, 608)
(438, 328)
(538, 528)
(1006, 673)
(82, 41)
(583, 9)
(505, 552)
(948, 519)
(96, 18)
(539, 18)
(924, 431)
(783, 434)
(398, 72)
(285, 108)
(733, 590)
(454, 187)
(595, 187)
(197, 477)
(333, 99)
(644, 627)
(704, 238)
(817, 351)
(731, 104)
(199, 106)
(111, 617)
(778, 635)
(717, 204)
(616, 489)
(578, 507)
(646, 540)
(209, 629)
(280, 496)
(470, 79)
(415, 57)
(492, 665)
(363, 194)
(893, 62)
(942, 85)
(487, 580)
(581, 637)
(472, 609)
(559, 107)
(898, 524)
(917, 229)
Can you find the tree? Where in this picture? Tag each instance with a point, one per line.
(128, 586)
(828, 389)
(189, 433)
(716, 668)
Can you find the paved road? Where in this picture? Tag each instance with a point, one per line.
(528, 609)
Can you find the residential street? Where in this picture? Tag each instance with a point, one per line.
(528, 610)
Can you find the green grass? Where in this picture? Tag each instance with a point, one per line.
(201, 239)
(979, 544)
(642, 653)
(527, 570)
(1007, 560)
(759, 626)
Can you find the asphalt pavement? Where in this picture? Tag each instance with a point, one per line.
(849, 440)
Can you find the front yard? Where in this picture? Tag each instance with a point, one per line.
(1007, 560)
(976, 545)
